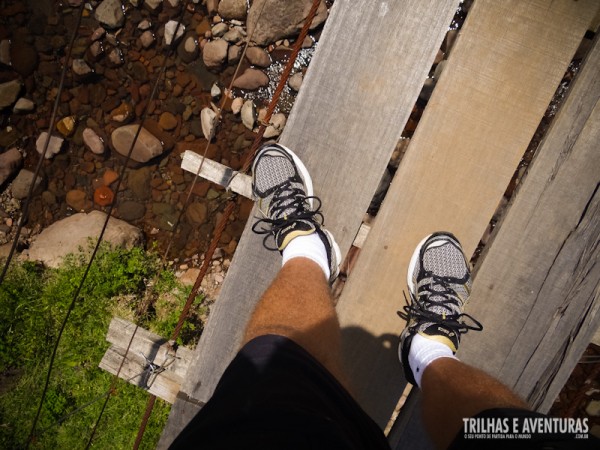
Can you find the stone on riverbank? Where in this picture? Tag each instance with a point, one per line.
(110, 13)
(10, 162)
(215, 53)
(146, 147)
(54, 145)
(69, 234)
(22, 183)
(251, 79)
(9, 92)
(280, 19)
(233, 9)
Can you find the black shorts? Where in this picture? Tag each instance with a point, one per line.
(275, 395)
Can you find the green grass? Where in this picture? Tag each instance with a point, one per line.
(33, 304)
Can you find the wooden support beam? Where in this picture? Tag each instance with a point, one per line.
(537, 290)
(165, 380)
(218, 173)
(344, 125)
(501, 75)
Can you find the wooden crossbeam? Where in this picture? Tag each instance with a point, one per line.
(163, 378)
(344, 125)
(217, 173)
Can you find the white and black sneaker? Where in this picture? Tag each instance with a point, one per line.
(439, 284)
(283, 188)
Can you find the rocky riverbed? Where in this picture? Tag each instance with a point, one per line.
(117, 56)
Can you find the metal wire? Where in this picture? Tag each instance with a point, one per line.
(231, 203)
(25, 211)
(113, 386)
(105, 225)
(86, 405)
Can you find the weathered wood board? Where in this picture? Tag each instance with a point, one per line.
(145, 346)
(217, 173)
(537, 290)
(164, 385)
(367, 72)
(503, 70)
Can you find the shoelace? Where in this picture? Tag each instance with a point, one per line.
(279, 204)
(419, 306)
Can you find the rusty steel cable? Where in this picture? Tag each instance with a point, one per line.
(248, 162)
(231, 203)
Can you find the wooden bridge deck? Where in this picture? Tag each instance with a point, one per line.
(368, 70)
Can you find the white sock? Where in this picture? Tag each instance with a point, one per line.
(311, 247)
(423, 352)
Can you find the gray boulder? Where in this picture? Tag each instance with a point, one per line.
(72, 233)
(10, 162)
(21, 184)
(280, 19)
(110, 13)
(233, 9)
(146, 147)
(251, 79)
(9, 92)
(258, 57)
(215, 53)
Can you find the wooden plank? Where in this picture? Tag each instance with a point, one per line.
(164, 385)
(361, 236)
(408, 430)
(151, 345)
(145, 347)
(345, 125)
(537, 290)
(503, 70)
(218, 173)
(596, 337)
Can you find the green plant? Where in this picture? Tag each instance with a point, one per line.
(33, 304)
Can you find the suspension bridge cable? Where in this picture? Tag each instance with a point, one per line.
(104, 227)
(171, 48)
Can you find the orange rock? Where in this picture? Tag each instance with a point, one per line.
(109, 177)
(103, 196)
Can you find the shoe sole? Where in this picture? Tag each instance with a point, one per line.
(417, 254)
(302, 170)
(338, 253)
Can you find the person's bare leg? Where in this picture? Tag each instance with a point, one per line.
(298, 305)
(453, 390)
